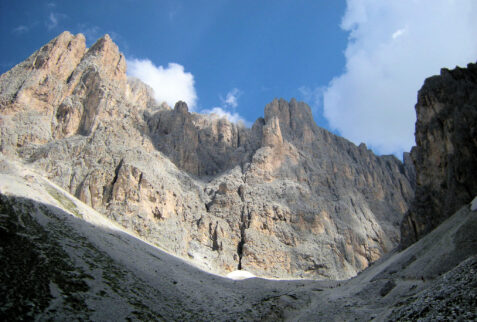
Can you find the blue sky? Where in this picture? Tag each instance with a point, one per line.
(358, 63)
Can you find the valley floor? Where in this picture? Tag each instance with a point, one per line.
(62, 260)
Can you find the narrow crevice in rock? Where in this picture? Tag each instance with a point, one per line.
(199, 221)
(241, 193)
(243, 226)
(70, 77)
(139, 182)
(414, 229)
(215, 243)
(79, 188)
(116, 174)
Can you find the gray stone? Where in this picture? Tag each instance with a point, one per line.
(445, 155)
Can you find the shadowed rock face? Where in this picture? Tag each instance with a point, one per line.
(445, 155)
(284, 198)
(199, 145)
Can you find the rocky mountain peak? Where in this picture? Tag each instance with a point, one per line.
(295, 118)
(284, 198)
(445, 155)
(61, 55)
(272, 134)
(181, 108)
(105, 54)
(288, 112)
(47, 68)
(61, 90)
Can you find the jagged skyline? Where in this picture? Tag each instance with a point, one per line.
(358, 64)
(94, 175)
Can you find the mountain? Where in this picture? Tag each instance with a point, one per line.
(446, 152)
(283, 199)
(99, 184)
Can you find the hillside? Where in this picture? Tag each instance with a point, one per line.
(63, 260)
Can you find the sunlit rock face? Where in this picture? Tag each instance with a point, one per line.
(445, 155)
(284, 198)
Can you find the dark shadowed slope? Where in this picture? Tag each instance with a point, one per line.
(64, 260)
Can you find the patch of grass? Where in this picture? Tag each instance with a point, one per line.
(64, 200)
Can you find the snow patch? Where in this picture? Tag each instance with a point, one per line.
(473, 206)
(240, 275)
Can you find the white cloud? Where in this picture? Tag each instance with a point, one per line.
(21, 29)
(393, 46)
(52, 21)
(227, 110)
(398, 33)
(231, 99)
(170, 84)
(313, 96)
(233, 117)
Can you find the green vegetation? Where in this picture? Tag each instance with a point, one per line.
(64, 200)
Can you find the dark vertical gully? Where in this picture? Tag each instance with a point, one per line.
(245, 217)
(244, 224)
(215, 243)
(111, 186)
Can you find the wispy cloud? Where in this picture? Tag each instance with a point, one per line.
(228, 108)
(174, 9)
(233, 117)
(20, 29)
(91, 32)
(393, 46)
(170, 84)
(52, 21)
(313, 96)
(398, 33)
(231, 99)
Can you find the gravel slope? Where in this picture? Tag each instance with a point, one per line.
(63, 260)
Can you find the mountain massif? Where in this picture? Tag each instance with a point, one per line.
(283, 199)
(97, 179)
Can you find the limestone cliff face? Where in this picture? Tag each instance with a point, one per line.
(61, 90)
(199, 145)
(284, 198)
(330, 206)
(445, 155)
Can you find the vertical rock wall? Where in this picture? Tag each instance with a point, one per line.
(445, 155)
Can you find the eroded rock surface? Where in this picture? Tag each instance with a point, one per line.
(283, 198)
(445, 155)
